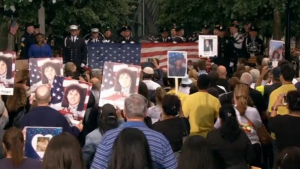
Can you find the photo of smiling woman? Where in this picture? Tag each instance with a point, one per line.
(6, 78)
(125, 82)
(49, 70)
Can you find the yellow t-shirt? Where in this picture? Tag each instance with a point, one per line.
(261, 89)
(181, 95)
(202, 109)
(282, 110)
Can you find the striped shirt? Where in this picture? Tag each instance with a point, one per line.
(161, 151)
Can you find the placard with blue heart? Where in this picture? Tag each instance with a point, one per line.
(37, 140)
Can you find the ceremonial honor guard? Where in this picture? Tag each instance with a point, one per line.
(127, 36)
(75, 49)
(108, 36)
(180, 35)
(225, 50)
(95, 36)
(205, 30)
(27, 40)
(173, 32)
(253, 45)
(164, 36)
(237, 40)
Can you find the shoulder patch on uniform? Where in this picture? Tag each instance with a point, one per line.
(22, 39)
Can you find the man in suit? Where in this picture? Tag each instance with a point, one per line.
(27, 40)
(127, 38)
(164, 36)
(207, 46)
(75, 49)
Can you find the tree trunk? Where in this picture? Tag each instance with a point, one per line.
(10, 40)
(41, 14)
(277, 32)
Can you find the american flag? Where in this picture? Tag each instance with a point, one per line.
(14, 26)
(35, 73)
(98, 53)
(160, 50)
(108, 77)
(57, 90)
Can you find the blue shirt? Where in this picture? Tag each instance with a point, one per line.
(36, 51)
(161, 151)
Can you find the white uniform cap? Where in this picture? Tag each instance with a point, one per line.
(95, 30)
(73, 27)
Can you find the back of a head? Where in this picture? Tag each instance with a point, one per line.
(214, 67)
(293, 101)
(131, 151)
(203, 82)
(108, 118)
(143, 90)
(242, 61)
(213, 76)
(193, 74)
(171, 105)
(265, 61)
(246, 78)
(222, 71)
(172, 82)
(70, 66)
(213, 91)
(63, 152)
(42, 94)
(230, 129)
(232, 82)
(96, 73)
(135, 107)
(255, 75)
(288, 73)
(289, 158)
(282, 62)
(193, 89)
(201, 64)
(241, 68)
(159, 95)
(13, 141)
(259, 59)
(242, 98)
(196, 153)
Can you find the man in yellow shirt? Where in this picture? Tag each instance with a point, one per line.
(201, 108)
(181, 95)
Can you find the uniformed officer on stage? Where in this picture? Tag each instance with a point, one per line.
(75, 49)
(237, 40)
(216, 30)
(108, 36)
(27, 40)
(95, 36)
(173, 32)
(164, 36)
(180, 35)
(205, 30)
(247, 26)
(127, 38)
(252, 44)
(225, 50)
(36, 29)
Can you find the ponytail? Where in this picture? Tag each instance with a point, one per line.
(242, 103)
(16, 151)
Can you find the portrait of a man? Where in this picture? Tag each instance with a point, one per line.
(48, 72)
(74, 97)
(208, 45)
(177, 64)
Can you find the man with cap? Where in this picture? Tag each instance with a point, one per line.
(180, 35)
(205, 30)
(27, 40)
(75, 49)
(148, 73)
(108, 36)
(164, 36)
(225, 50)
(252, 44)
(36, 29)
(95, 36)
(178, 69)
(173, 32)
(127, 38)
(237, 40)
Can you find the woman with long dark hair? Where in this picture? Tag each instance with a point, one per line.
(63, 152)
(231, 146)
(196, 154)
(131, 151)
(13, 144)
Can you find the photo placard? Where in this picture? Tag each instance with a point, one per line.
(7, 73)
(177, 64)
(208, 45)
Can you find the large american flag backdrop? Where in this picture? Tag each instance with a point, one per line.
(57, 94)
(7, 85)
(138, 53)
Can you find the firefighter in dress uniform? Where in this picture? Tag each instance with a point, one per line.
(126, 33)
(225, 50)
(75, 49)
(253, 45)
(108, 36)
(173, 32)
(95, 36)
(27, 40)
(164, 36)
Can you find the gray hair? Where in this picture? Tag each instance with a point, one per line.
(96, 73)
(265, 61)
(135, 106)
(255, 74)
(246, 78)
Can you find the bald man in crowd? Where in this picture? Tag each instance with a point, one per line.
(44, 116)
(222, 77)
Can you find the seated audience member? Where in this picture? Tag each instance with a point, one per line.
(107, 120)
(45, 116)
(289, 158)
(285, 126)
(222, 81)
(135, 109)
(201, 101)
(231, 146)
(147, 78)
(63, 152)
(13, 145)
(196, 153)
(214, 77)
(174, 128)
(131, 151)
(226, 98)
(181, 95)
(155, 112)
(185, 85)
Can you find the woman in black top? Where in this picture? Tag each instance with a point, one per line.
(174, 128)
(231, 146)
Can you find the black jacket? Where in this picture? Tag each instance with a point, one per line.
(247, 43)
(75, 52)
(26, 41)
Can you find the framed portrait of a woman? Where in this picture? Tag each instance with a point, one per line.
(119, 81)
(7, 72)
